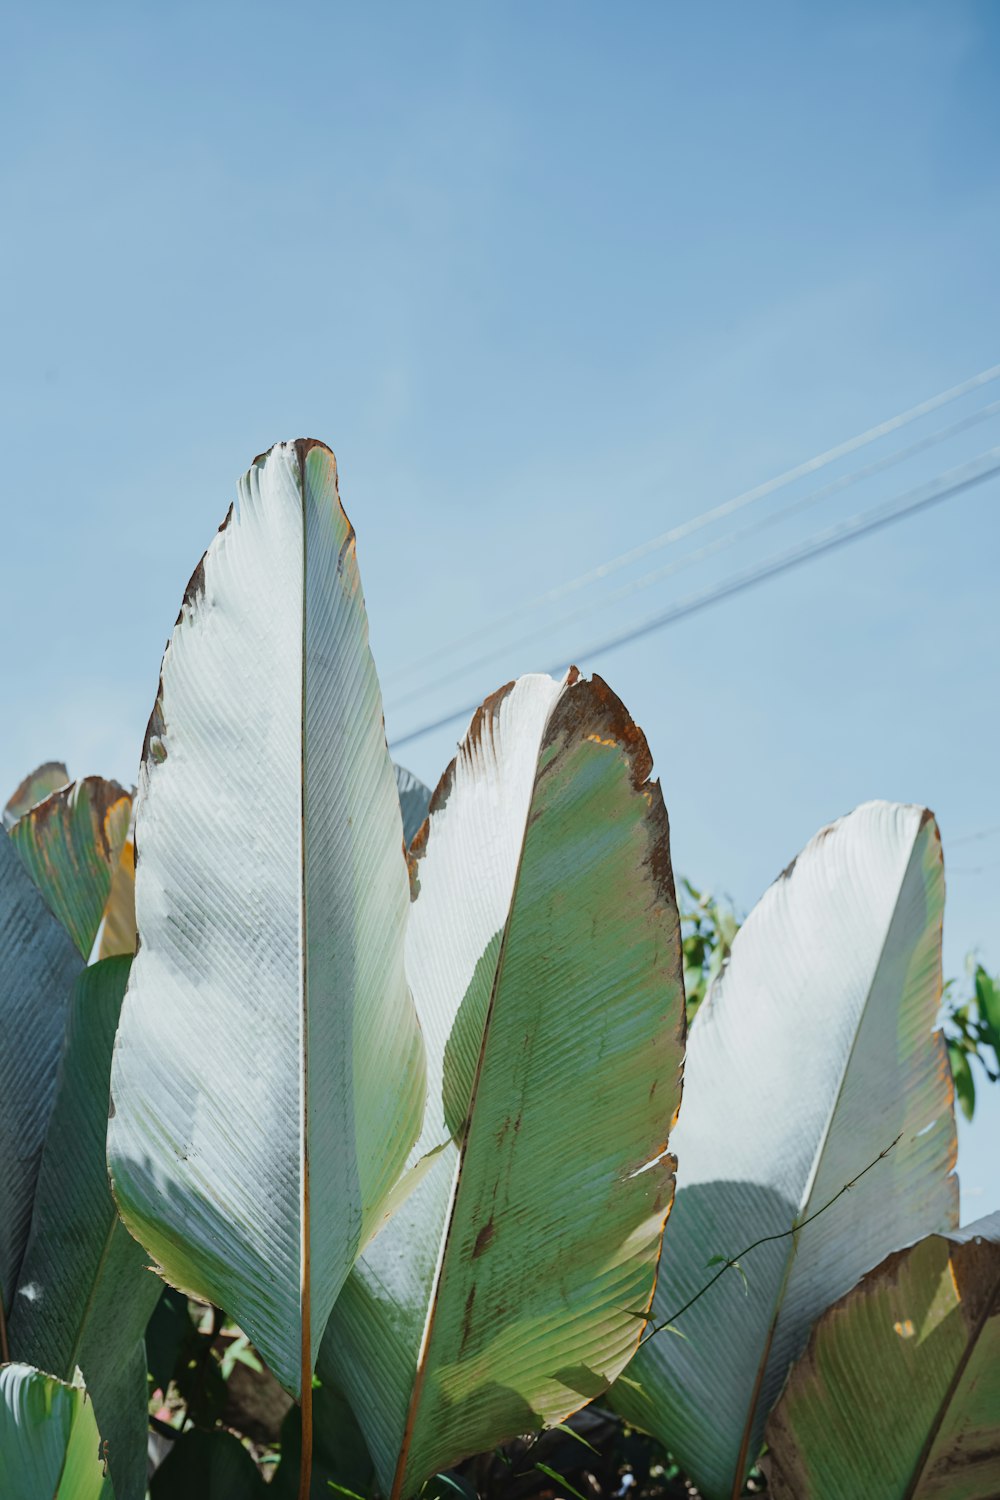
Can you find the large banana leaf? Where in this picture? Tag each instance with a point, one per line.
(898, 1394)
(35, 786)
(38, 965)
(813, 1051)
(50, 1448)
(71, 844)
(543, 952)
(84, 1295)
(268, 1075)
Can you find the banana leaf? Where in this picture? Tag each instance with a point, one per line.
(38, 965)
(813, 1052)
(268, 1075)
(71, 844)
(544, 956)
(898, 1393)
(50, 1448)
(85, 1295)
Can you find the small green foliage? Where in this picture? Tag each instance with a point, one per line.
(708, 928)
(972, 1030)
(565, 1485)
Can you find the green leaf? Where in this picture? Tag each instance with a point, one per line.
(34, 788)
(207, 1466)
(560, 1480)
(169, 1332)
(572, 1432)
(500, 1296)
(84, 1294)
(965, 1083)
(898, 1392)
(340, 1458)
(239, 1352)
(268, 1078)
(38, 965)
(50, 1448)
(71, 844)
(813, 1052)
(988, 996)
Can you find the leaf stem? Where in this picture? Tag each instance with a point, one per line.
(765, 1239)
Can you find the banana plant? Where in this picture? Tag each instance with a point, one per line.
(38, 965)
(268, 1076)
(84, 1294)
(50, 1447)
(543, 951)
(898, 1393)
(71, 843)
(813, 1053)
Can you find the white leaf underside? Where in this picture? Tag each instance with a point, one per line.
(38, 964)
(812, 1053)
(267, 1079)
(502, 1293)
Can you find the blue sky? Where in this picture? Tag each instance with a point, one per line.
(550, 279)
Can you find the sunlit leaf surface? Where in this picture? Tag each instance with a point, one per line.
(898, 1393)
(814, 1050)
(544, 956)
(50, 1448)
(268, 1075)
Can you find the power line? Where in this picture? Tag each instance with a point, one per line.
(710, 549)
(715, 513)
(980, 833)
(922, 497)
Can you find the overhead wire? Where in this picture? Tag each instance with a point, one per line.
(714, 513)
(709, 549)
(980, 833)
(943, 487)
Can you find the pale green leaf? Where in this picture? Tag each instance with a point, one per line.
(268, 1076)
(50, 1447)
(84, 1294)
(71, 844)
(38, 965)
(898, 1393)
(544, 956)
(813, 1051)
